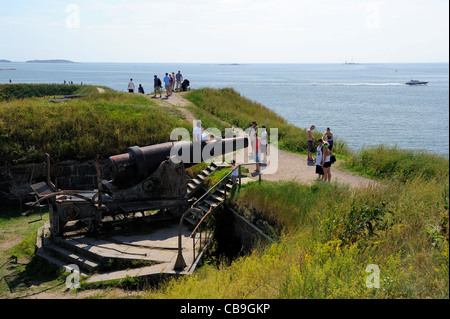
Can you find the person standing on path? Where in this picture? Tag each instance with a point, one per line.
(197, 132)
(326, 162)
(157, 85)
(131, 86)
(263, 144)
(167, 84)
(310, 143)
(257, 155)
(252, 133)
(172, 83)
(319, 159)
(328, 135)
(179, 79)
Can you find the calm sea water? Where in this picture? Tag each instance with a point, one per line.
(364, 104)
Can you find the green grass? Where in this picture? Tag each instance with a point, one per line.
(78, 129)
(19, 268)
(312, 257)
(326, 234)
(391, 162)
(21, 91)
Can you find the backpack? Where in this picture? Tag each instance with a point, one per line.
(159, 82)
(332, 159)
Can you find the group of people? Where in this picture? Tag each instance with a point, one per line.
(323, 152)
(172, 83)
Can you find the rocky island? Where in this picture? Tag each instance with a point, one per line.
(50, 61)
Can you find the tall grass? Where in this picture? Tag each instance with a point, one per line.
(312, 259)
(383, 161)
(104, 124)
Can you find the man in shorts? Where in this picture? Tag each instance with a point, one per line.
(179, 79)
(131, 86)
(157, 85)
(310, 138)
(167, 84)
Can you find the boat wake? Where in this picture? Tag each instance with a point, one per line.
(358, 84)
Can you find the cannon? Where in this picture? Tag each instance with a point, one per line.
(150, 178)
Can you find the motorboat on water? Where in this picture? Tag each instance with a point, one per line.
(415, 82)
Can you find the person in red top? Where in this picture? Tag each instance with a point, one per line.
(257, 153)
(172, 81)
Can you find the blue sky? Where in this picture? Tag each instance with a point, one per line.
(226, 31)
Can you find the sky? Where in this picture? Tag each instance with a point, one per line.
(225, 31)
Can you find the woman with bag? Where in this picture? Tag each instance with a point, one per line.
(326, 162)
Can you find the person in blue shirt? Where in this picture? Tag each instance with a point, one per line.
(157, 85)
(167, 84)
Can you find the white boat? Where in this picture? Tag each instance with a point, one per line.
(415, 82)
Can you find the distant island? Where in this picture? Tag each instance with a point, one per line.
(5, 61)
(50, 61)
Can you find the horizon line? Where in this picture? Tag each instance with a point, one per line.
(225, 63)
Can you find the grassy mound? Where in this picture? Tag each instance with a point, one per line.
(78, 129)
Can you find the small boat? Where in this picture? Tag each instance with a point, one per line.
(415, 82)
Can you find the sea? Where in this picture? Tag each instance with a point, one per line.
(364, 104)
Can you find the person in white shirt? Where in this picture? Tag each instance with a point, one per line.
(131, 86)
(263, 141)
(197, 132)
(319, 159)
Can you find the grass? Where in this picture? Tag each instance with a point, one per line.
(19, 268)
(79, 129)
(326, 234)
(21, 91)
(313, 259)
(393, 163)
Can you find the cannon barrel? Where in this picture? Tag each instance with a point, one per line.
(132, 167)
